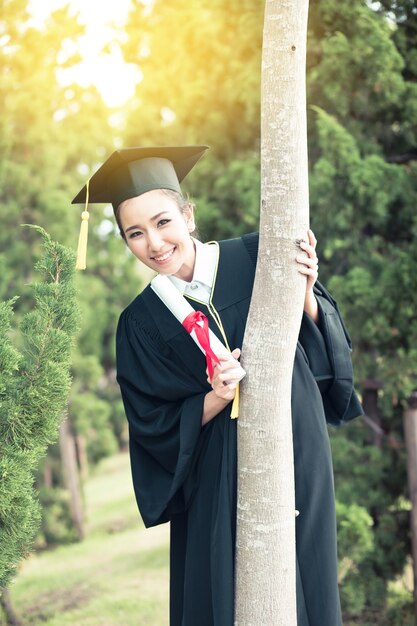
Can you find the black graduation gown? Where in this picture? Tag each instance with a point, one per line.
(187, 474)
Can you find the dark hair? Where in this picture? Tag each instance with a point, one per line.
(181, 202)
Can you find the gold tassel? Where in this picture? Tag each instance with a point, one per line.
(235, 406)
(82, 240)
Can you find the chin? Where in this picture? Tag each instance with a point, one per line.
(167, 271)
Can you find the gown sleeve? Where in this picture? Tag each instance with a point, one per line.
(327, 348)
(164, 407)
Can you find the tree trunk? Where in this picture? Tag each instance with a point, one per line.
(371, 387)
(265, 546)
(69, 464)
(410, 433)
(11, 617)
(47, 474)
(81, 455)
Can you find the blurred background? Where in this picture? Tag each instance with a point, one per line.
(80, 79)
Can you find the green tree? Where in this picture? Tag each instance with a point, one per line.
(52, 137)
(363, 194)
(201, 77)
(46, 128)
(201, 71)
(33, 391)
(201, 66)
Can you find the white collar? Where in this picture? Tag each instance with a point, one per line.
(204, 268)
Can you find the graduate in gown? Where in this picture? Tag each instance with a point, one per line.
(182, 440)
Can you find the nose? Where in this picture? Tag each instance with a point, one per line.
(155, 241)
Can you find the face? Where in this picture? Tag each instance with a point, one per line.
(158, 234)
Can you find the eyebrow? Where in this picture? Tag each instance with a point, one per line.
(155, 217)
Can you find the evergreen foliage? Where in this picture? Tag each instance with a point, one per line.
(34, 389)
(362, 80)
(363, 195)
(53, 135)
(204, 88)
(201, 76)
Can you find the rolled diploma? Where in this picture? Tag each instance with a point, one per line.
(180, 308)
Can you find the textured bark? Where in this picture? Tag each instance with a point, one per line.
(265, 558)
(10, 615)
(371, 408)
(82, 457)
(410, 433)
(47, 475)
(71, 477)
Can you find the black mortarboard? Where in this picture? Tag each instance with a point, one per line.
(131, 172)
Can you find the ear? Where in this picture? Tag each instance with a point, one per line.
(189, 217)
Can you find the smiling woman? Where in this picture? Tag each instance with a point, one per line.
(158, 233)
(180, 406)
(115, 79)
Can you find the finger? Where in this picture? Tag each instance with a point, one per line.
(223, 357)
(311, 251)
(307, 271)
(227, 392)
(308, 262)
(236, 353)
(226, 377)
(230, 373)
(227, 362)
(312, 238)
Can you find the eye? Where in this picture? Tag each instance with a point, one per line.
(163, 222)
(136, 233)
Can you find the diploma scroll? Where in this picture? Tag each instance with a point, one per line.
(181, 309)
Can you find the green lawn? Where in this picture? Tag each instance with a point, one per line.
(118, 576)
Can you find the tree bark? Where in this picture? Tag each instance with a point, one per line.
(370, 406)
(71, 477)
(47, 474)
(410, 433)
(81, 455)
(265, 546)
(5, 601)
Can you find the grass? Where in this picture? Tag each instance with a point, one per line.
(118, 576)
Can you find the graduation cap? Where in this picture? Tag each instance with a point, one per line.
(131, 172)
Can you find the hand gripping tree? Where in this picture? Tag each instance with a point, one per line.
(34, 386)
(265, 560)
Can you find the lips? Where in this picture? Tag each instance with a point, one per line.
(164, 258)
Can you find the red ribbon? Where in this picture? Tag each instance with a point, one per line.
(198, 322)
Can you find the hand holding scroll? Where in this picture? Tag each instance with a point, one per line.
(222, 381)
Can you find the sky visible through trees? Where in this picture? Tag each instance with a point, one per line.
(199, 65)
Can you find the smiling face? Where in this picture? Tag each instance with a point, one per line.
(158, 233)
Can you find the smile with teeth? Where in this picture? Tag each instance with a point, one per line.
(164, 257)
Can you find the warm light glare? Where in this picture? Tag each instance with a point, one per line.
(115, 79)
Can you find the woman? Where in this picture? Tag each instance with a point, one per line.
(182, 440)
